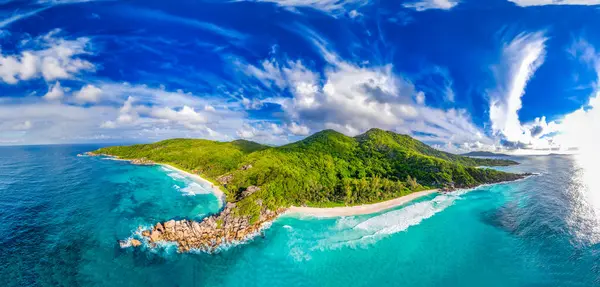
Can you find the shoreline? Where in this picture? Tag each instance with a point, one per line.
(327, 212)
(198, 179)
(214, 189)
(363, 209)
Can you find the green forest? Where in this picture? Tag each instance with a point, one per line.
(325, 169)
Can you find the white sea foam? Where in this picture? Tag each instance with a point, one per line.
(194, 188)
(401, 219)
(358, 232)
(299, 254)
(346, 222)
(175, 175)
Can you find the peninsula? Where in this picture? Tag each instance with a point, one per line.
(326, 169)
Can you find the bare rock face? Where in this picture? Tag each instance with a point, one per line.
(225, 179)
(246, 167)
(250, 190)
(135, 242)
(213, 231)
(142, 161)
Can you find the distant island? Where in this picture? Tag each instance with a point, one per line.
(485, 153)
(326, 169)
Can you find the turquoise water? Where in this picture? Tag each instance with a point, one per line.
(61, 217)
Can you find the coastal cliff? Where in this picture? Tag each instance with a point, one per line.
(326, 169)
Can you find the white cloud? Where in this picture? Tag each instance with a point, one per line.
(50, 57)
(353, 98)
(246, 132)
(300, 130)
(432, 4)
(354, 14)
(264, 131)
(276, 129)
(126, 112)
(333, 7)
(108, 125)
(525, 3)
(186, 115)
(18, 16)
(158, 15)
(22, 126)
(521, 57)
(579, 129)
(88, 94)
(420, 98)
(55, 92)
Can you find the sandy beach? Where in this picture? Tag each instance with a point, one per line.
(359, 209)
(215, 189)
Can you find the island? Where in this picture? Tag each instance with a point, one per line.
(325, 170)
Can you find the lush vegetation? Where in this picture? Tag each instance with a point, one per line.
(325, 169)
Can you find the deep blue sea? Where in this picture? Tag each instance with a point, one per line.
(61, 216)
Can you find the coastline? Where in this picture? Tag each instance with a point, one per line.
(194, 177)
(326, 212)
(198, 179)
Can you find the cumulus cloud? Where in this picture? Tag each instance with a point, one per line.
(299, 130)
(353, 98)
(49, 57)
(520, 58)
(265, 131)
(88, 94)
(186, 116)
(55, 92)
(525, 3)
(125, 112)
(431, 4)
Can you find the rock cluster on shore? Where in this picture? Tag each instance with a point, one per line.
(142, 161)
(222, 229)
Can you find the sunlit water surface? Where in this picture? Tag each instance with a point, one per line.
(61, 216)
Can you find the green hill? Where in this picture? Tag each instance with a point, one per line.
(325, 169)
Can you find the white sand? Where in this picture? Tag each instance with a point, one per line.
(359, 209)
(214, 189)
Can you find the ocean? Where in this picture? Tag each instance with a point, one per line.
(61, 216)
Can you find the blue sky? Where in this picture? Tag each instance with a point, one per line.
(518, 76)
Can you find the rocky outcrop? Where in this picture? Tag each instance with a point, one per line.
(246, 167)
(142, 161)
(225, 179)
(207, 235)
(250, 190)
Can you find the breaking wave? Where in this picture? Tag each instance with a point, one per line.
(400, 220)
(361, 231)
(194, 188)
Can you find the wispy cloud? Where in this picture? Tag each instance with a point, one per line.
(332, 7)
(20, 15)
(162, 16)
(45, 4)
(526, 3)
(431, 4)
(520, 58)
